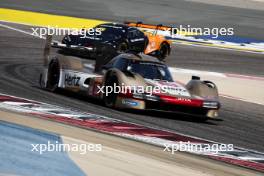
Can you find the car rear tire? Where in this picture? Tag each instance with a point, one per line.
(163, 51)
(53, 75)
(122, 47)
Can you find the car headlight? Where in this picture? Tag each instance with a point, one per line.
(138, 95)
(151, 97)
(211, 104)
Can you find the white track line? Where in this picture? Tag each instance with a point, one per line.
(22, 31)
(218, 47)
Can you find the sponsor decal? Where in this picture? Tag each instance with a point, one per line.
(136, 40)
(184, 99)
(72, 80)
(129, 102)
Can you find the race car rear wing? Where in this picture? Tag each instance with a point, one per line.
(102, 53)
(150, 26)
(49, 43)
(75, 47)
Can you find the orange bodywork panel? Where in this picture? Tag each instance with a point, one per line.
(148, 26)
(155, 40)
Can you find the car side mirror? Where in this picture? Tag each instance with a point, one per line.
(128, 68)
(196, 78)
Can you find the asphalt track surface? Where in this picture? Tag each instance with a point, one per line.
(216, 60)
(240, 123)
(21, 63)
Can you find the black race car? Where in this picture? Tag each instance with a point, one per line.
(120, 36)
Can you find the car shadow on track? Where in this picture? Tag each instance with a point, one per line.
(174, 116)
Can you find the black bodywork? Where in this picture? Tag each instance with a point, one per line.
(119, 36)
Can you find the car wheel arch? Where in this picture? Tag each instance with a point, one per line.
(53, 68)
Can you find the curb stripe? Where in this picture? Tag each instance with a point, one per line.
(239, 156)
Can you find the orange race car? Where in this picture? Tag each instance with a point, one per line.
(158, 45)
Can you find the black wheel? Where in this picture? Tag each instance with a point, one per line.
(110, 98)
(122, 47)
(53, 75)
(163, 52)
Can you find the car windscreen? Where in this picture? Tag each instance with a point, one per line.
(135, 33)
(150, 70)
(110, 33)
